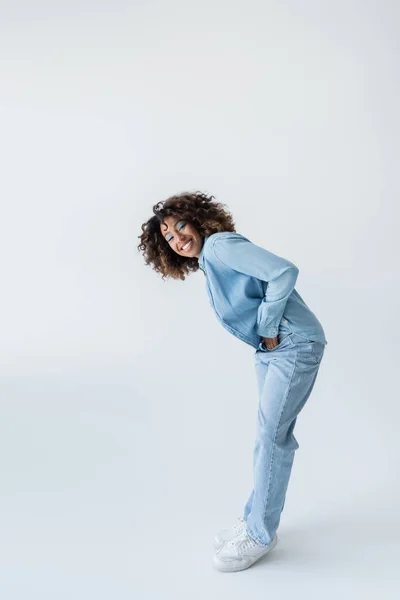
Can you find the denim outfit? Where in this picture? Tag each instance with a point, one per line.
(252, 293)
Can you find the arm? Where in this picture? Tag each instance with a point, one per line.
(240, 254)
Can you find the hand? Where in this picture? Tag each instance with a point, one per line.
(270, 343)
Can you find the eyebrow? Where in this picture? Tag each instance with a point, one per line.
(174, 226)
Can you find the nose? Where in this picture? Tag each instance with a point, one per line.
(180, 239)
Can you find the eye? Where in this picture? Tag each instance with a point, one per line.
(170, 238)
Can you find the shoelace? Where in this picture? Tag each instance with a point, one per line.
(245, 542)
(238, 527)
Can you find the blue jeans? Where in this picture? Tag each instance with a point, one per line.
(285, 379)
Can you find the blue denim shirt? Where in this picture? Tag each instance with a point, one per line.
(251, 290)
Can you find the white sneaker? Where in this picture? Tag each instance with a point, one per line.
(240, 553)
(228, 534)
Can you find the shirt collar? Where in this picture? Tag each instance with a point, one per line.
(201, 255)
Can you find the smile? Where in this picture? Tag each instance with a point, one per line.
(187, 246)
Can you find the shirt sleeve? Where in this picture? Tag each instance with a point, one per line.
(240, 254)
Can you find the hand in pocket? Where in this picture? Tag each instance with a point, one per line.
(270, 343)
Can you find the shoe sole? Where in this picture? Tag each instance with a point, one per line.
(226, 568)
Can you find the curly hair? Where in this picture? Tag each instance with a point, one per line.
(196, 208)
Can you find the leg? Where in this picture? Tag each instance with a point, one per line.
(286, 377)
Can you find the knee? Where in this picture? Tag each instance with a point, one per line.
(285, 438)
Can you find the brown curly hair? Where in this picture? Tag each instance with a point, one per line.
(196, 208)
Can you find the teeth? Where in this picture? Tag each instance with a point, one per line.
(186, 246)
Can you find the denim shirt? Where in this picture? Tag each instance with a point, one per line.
(251, 290)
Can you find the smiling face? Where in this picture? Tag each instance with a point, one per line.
(178, 233)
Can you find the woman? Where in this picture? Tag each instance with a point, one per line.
(252, 293)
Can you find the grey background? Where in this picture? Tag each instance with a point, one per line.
(127, 412)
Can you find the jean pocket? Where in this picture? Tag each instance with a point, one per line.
(317, 351)
(286, 339)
